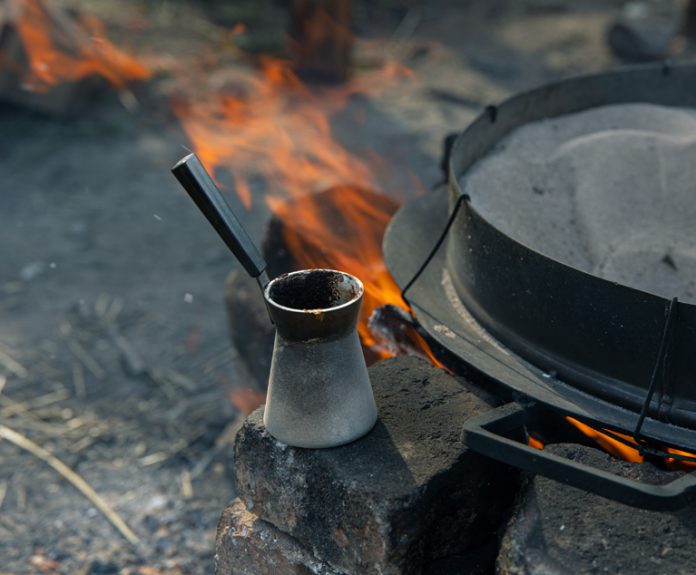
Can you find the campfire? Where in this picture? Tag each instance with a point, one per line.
(508, 301)
(47, 58)
(331, 202)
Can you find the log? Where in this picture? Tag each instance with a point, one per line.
(321, 39)
(65, 40)
(689, 22)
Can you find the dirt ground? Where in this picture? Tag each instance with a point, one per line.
(114, 354)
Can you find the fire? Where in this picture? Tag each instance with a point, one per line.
(672, 463)
(58, 50)
(535, 442)
(246, 399)
(352, 242)
(609, 444)
(331, 203)
(622, 451)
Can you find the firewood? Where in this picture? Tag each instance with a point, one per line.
(689, 22)
(321, 39)
(67, 44)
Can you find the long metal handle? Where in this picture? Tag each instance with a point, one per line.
(203, 191)
(489, 436)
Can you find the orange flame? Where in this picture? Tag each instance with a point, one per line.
(609, 444)
(535, 442)
(246, 399)
(680, 464)
(59, 51)
(622, 451)
(328, 199)
(320, 232)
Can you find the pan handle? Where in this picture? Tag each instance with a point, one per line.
(490, 434)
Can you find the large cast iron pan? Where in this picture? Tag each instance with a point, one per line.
(565, 338)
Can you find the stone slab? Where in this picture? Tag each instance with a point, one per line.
(561, 530)
(408, 493)
(246, 545)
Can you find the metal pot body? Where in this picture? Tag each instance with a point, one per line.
(599, 336)
(319, 392)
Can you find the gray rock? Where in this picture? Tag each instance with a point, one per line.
(559, 530)
(478, 561)
(646, 30)
(246, 545)
(407, 493)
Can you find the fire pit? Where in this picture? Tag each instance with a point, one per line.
(573, 340)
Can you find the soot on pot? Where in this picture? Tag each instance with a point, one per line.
(314, 289)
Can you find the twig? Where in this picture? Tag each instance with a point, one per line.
(10, 526)
(158, 378)
(225, 438)
(133, 363)
(12, 365)
(28, 421)
(113, 311)
(15, 407)
(161, 456)
(80, 484)
(102, 304)
(82, 444)
(3, 492)
(79, 381)
(3, 382)
(180, 380)
(186, 484)
(87, 360)
(154, 458)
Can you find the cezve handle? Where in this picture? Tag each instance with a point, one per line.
(203, 191)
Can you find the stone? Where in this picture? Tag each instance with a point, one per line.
(246, 545)
(646, 30)
(557, 529)
(408, 493)
(478, 561)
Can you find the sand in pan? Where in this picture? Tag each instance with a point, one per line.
(611, 191)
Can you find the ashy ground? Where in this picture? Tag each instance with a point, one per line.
(114, 354)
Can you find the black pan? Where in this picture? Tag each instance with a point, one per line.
(565, 338)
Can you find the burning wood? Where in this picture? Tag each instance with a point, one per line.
(624, 447)
(321, 194)
(321, 39)
(50, 63)
(395, 330)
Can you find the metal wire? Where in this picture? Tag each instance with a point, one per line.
(642, 445)
(648, 449)
(436, 247)
(665, 344)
